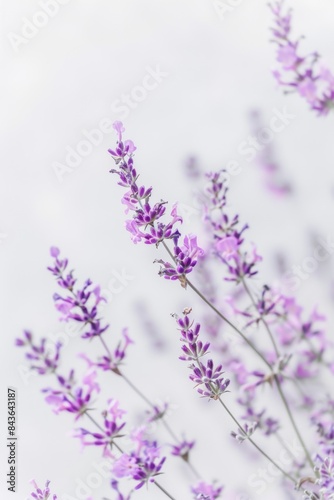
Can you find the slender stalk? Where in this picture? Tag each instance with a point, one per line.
(136, 390)
(149, 403)
(286, 474)
(278, 384)
(292, 420)
(221, 315)
(161, 488)
(232, 325)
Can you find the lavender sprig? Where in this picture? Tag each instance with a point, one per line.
(214, 384)
(302, 74)
(45, 494)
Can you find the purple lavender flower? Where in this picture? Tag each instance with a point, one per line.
(205, 491)
(146, 223)
(207, 377)
(80, 304)
(229, 248)
(325, 471)
(247, 431)
(305, 75)
(75, 401)
(183, 449)
(184, 260)
(40, 494)
(157, 412)
(42, 359)
(112, 360)
(112, 427)
(142, 465)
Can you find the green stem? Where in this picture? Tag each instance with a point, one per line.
(286, 474)
(232, 325)
(278, 384)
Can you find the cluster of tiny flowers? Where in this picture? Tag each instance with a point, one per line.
(228, 237)
(80, 304)
(42, 358)
(208, 378)
(204, 491)
(322, 417)
(67, 396)
(143, 464)
(112, 361)
(246, 432)
(303, 74)
(71, 397)
(274, 179)
(146, 222)
(40, 494)
(113, 424)
(281, 312)
(183, 449)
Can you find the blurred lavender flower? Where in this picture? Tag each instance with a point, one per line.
(143, 464)
(183, 449)
(112, 426)
(75, 400)
(205, 491)
(303, 74)
(41, 357)
(112, 360)
(115, 486)
(247, 432)
(40, 494)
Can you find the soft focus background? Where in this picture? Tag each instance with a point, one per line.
(67, 77)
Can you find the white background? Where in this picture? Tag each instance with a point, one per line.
(65, 80)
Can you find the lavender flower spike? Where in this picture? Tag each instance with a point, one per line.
(40, 494)
(147, 222)
(302, 74)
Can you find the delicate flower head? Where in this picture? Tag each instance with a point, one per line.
(39, 494)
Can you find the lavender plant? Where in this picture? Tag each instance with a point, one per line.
(304, 74)
(279, 363)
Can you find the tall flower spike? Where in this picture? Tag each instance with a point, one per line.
(146, 223)
(80, 304)
(302, 74)
(208, 378)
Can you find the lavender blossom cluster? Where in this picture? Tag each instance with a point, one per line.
(253, 351)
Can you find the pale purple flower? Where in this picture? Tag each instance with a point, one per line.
(205, 491)
(45, 494)
(43, 358)
(113, 424)
(208, 378)
(183, 449)
(300, 73)
(247, 431)
(77, 401)
(80, 304)
(113, 359)
(142, 465)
